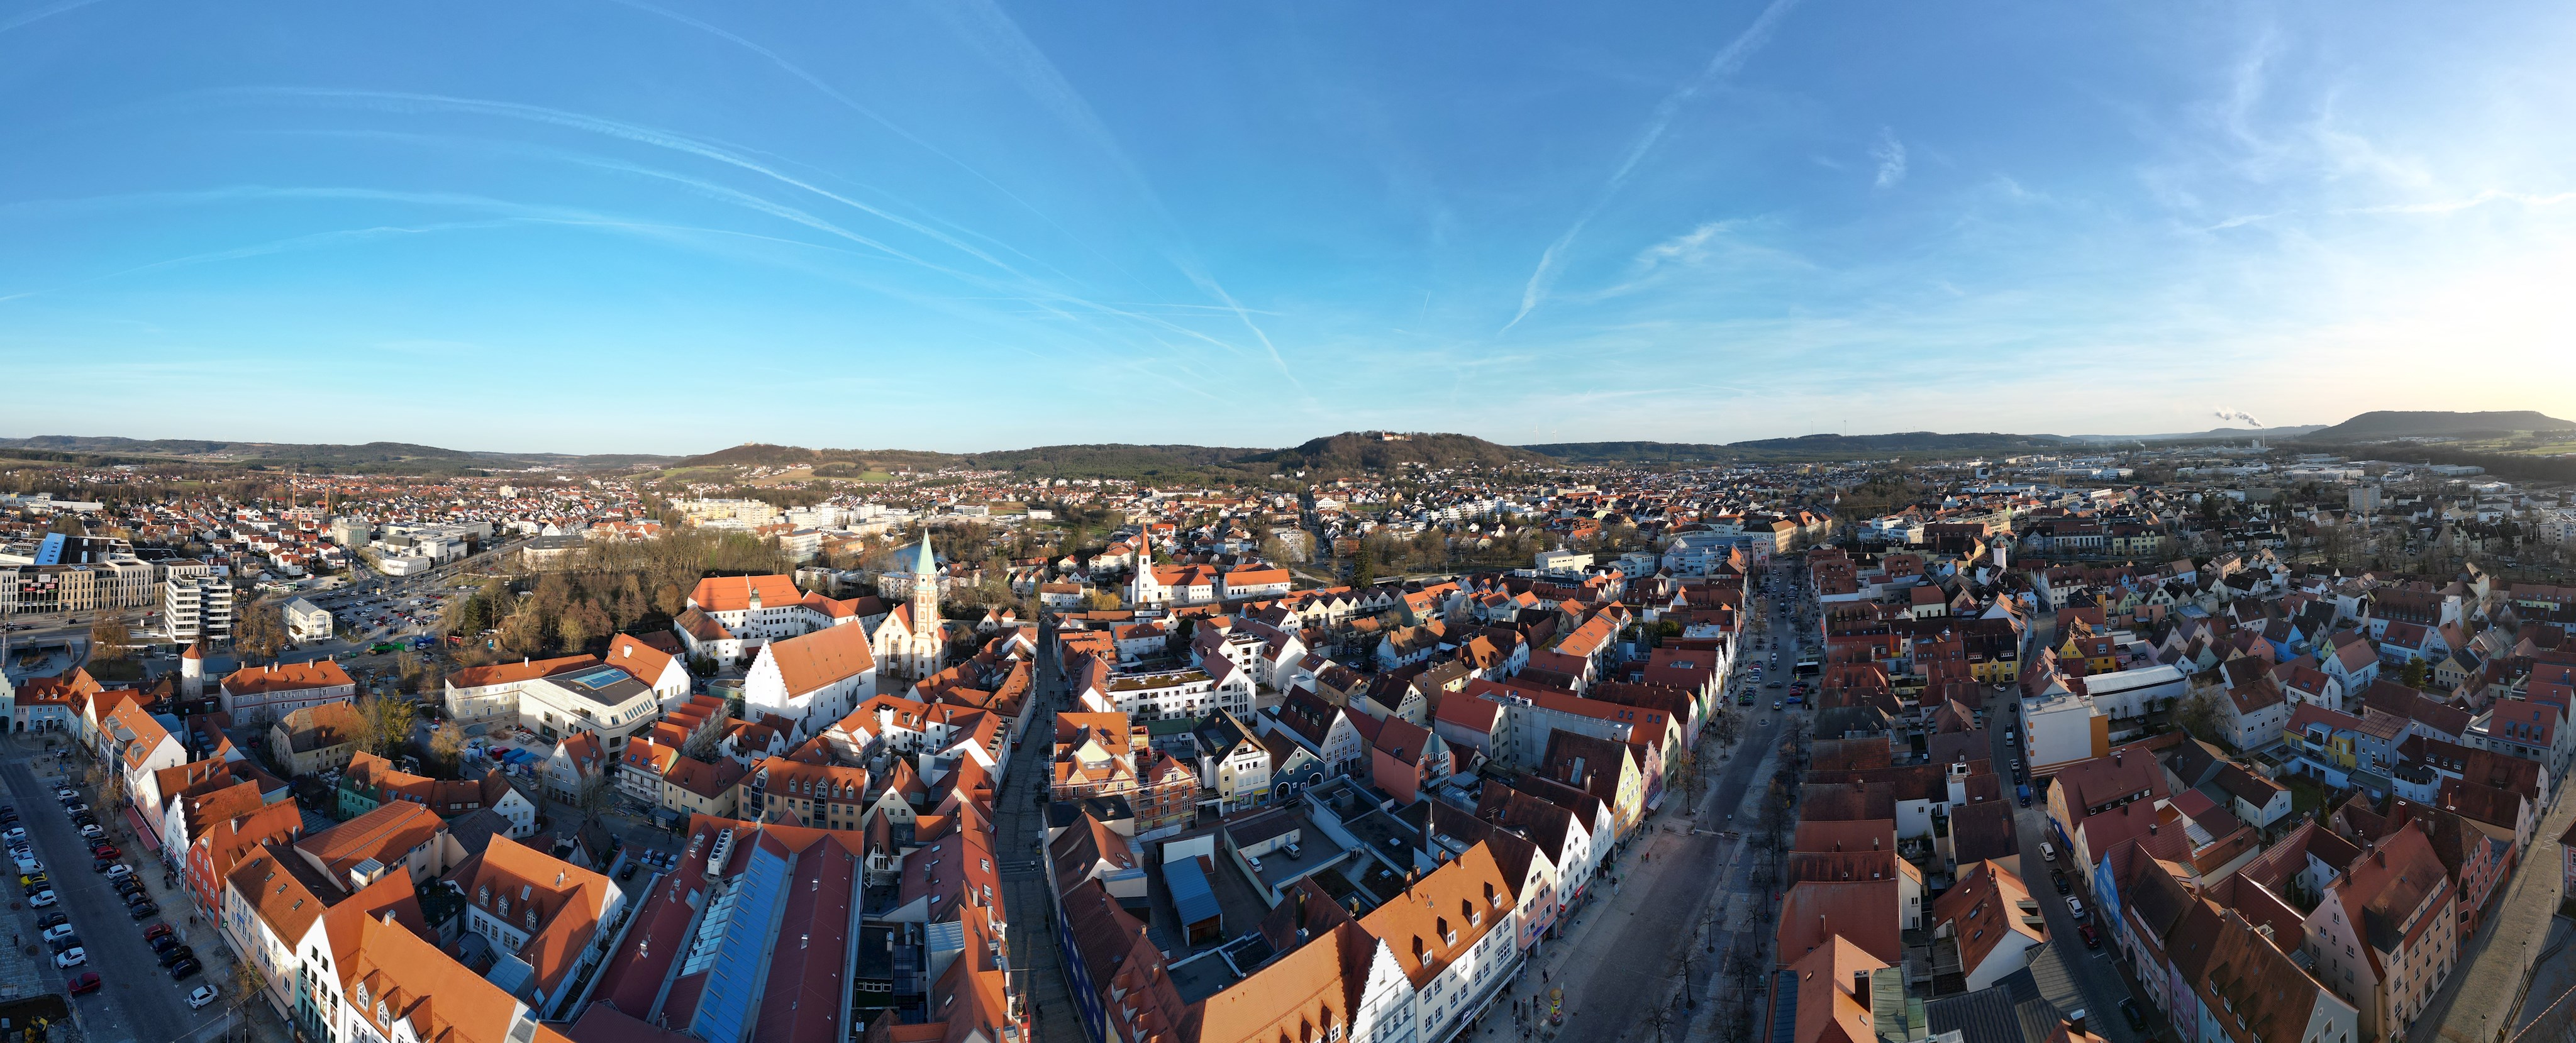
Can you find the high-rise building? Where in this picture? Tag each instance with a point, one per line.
(198, 608)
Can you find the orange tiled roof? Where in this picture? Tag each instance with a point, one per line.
(286, 677)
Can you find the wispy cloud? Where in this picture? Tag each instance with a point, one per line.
(2451, 206)
(1721, 65)
(990, 29)
(42, 13)
(658, 138)
(1889, 154)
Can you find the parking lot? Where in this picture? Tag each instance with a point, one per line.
(137, 998)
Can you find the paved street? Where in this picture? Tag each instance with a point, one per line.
(139, 1002)
(2478, 1001)
(1020, 820)
(2099, 972)
(1623, 953)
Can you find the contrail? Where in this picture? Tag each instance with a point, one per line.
(1724, 63)
(630, 132)
(992, 30)
(44, 13)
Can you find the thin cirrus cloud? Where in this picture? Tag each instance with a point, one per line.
(865, 224)
(1728, 60)
(1889, 154)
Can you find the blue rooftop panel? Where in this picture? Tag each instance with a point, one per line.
(734, 982)
(1190, 892)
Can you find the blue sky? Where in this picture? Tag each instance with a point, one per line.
(584, 225)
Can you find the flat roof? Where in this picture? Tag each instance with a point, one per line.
(605, 685)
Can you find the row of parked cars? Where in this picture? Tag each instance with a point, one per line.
(176, 957)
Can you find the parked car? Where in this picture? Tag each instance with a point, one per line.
(105, 850)
(119, 871)
(200, 996)
(50, 920)
(2129, 1013)
(92, 832)
(141, 910)
(2064, 886)
(2048, 851)
(173, 956)
(15, 834)
(65, 943)
(58, 931)
(165, 943)
(85, 981)
(185, 970)
(158, 931)
(2076, 906)
(70, 958)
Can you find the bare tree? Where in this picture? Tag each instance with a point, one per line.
(260, 630)
(385, 723)
(247, 984)
(1659, 1017)
(109, 638)
(596, 794)
(447, 745)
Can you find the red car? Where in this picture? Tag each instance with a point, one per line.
(105, 851)
(86, 981)
(2091, 940)
(156, 931)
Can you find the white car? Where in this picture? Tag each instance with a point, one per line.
(66, 793)
(2076, 906)
(203, 995)
(92, 833)
(15, 834)
(119, 871)
(40, 899)
(60, 930)
(72, 957)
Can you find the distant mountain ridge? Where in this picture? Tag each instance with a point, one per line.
(2383, 424)
(371, 457)
(1348, 453)
(2213, 434)
(1379, 450)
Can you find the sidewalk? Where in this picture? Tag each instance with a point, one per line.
(1611, 919)
(2477, 1004)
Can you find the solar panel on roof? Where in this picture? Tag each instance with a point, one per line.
(1784, 1007)
(732, 984)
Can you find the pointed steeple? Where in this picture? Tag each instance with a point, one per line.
(923, 564)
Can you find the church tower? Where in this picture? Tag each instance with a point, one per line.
(925, 587)
(1143, 589)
